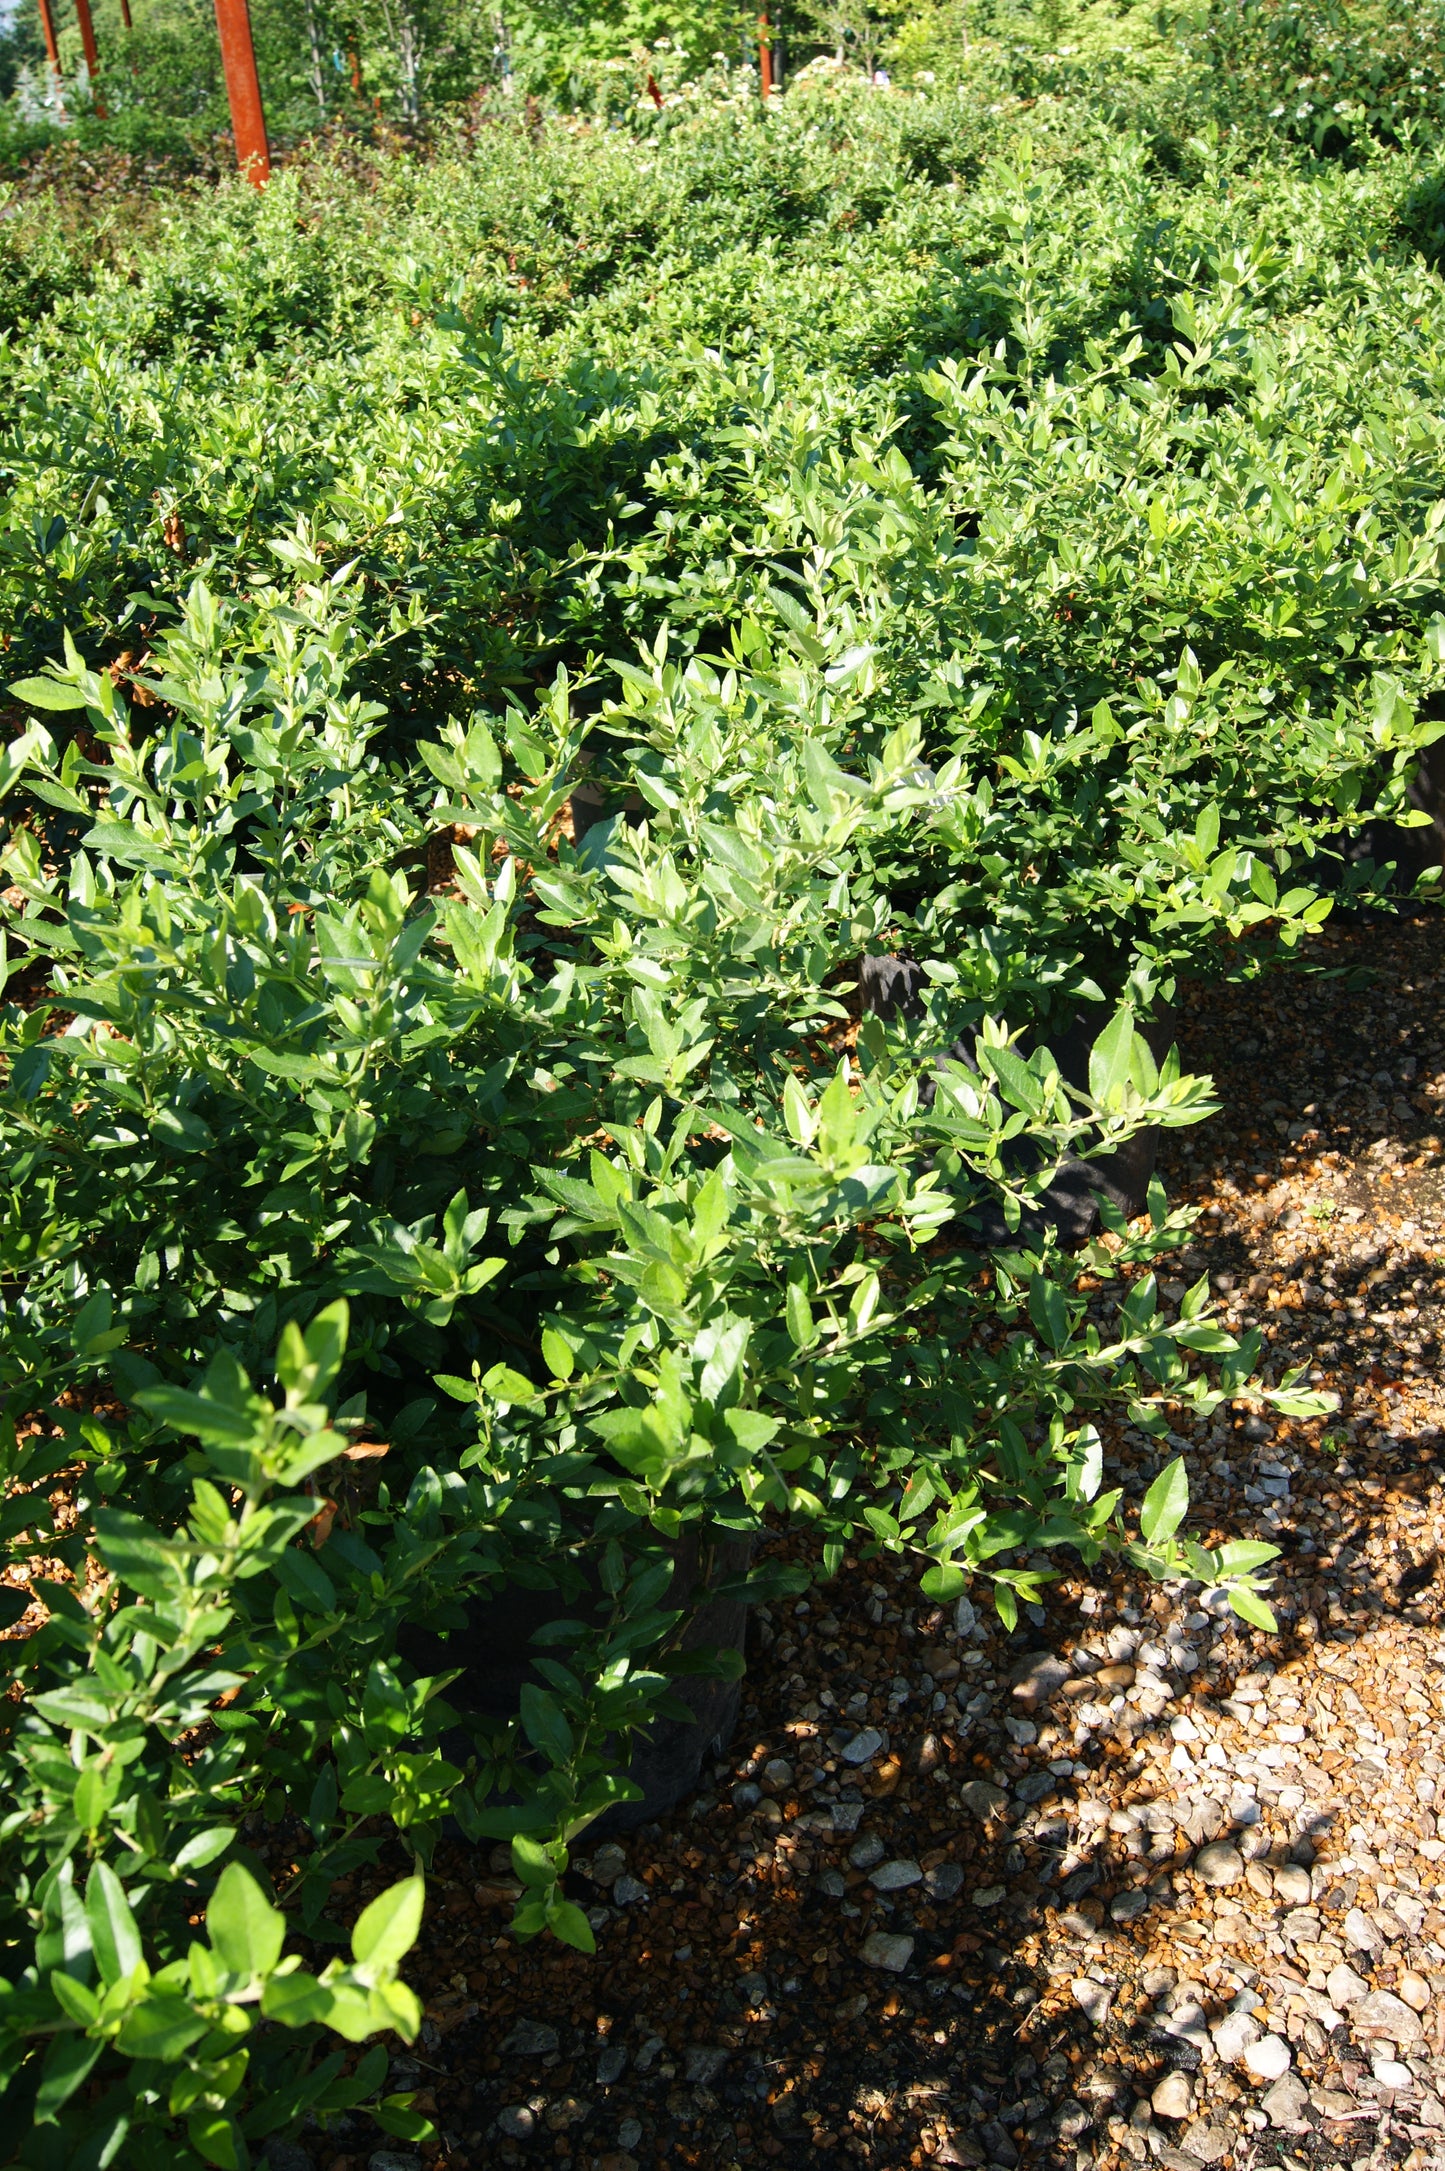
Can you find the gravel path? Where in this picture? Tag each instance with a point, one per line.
(1133, 1885)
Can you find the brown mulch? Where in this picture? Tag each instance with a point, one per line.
(1075, 1985)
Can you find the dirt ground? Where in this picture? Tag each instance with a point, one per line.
(1135, 1884)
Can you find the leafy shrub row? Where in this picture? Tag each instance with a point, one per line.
(477, 702)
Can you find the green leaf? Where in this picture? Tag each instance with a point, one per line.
(1166, 1503)
(114, 1937)
(246, 1931)
(1251, 1607)
(1110, 1059)
(545, 1725)
(557, 1355)
(394, 2114)
(94, 1792)
(67, 2063)
(1241, 1555)
(76, 1999)
(217, 2139)
(386, 1930)
(203, 1847)
(47, 693)
(944, 1581)
(163, 2026)
(299, 1572)
(296, 2000)
(798, 1313)
(199, 1414)
(74, 1707)
(567, 1921)
(1301, 1402)
(533, 1863)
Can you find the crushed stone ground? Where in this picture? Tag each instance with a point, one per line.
(1134, 1885)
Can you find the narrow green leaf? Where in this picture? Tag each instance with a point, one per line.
(67, 2063)
(114, 1937)
(1166, 1503)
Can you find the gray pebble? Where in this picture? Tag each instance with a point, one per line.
(704, 2063)
(1284, 2104)
(895, 1876)
(864, 1746)
(627, 1891)
(945, 1881)
(530, 2039)
(1219, 1864)
(1035, 1786)
(611, 2064)
(1071, 2121)
(1206, 2143)
(887, 1950)
(995, 2138)
(609, 1861)
(981, 1799)
(866, 1849)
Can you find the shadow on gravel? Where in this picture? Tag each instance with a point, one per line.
(731, 2014)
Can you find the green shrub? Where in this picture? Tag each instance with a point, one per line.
(906, 528)
(1332, 76)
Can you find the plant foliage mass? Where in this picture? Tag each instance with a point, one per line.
(494, 643)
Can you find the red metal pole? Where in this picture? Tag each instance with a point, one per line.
(125, 14)
(243, 89)
(765, 55)
(92, 57)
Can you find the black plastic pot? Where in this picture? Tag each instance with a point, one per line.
(495, 1651)
(1414, 851)
(893, 986)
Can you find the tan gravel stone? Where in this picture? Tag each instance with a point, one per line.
(1383, 2014)
(1173, 2097)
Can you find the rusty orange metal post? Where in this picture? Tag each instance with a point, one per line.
(125, 14)
(92, 57)
(47, 25)
(243, 90)
(765, 56)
